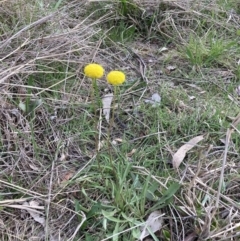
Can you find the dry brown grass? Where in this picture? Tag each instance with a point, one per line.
(32, 151)
(41, 162)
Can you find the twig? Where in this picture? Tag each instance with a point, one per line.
(78, 227)
(50, 192)
(228, 137)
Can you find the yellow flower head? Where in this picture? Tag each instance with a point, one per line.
(115, 77)
(94, 71)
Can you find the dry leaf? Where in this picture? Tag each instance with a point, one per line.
(131, 152)
(181, 153)
(34, 214)
(182, 105)
(114, 142)
(191, 97)
(101, 144)
(223, 141)
(154, 223)
(106, 101)
(63, 157)
(155, 100)
(118, 140)
(162, 49)
(190, 237)
(34, 167)
(67, 177)
(171, 67)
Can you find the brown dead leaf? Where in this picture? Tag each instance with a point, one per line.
(33, 167)
(154, 223)
(36, 215)
(181, 153)
(182, 105)
(131, 152)
(192, 97)
(67, 177)
(106, 102)
(171, 67)
(63, 157)
(119, 140)
(190, 237)
(114, 142)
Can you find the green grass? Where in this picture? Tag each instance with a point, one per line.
(208, 50)
(49, 154)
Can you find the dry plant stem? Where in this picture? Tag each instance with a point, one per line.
(47, 231)
(78, 227)
(73, 178)
(19, 188)
(228, 136)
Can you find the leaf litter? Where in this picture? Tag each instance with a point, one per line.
(107, 101)
(155, 100)
(152, 225)
(109, 114)
(179, 156)
(33, 213)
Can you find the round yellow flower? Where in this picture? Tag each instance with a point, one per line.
(115, 77)
(94, 71)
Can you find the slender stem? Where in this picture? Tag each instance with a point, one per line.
(113, 109)
(110, 128)
(29, 93)
(95, 105)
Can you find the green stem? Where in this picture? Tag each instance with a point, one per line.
(113, 109)
(110, 128)
(95, 104)
(29, 93)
